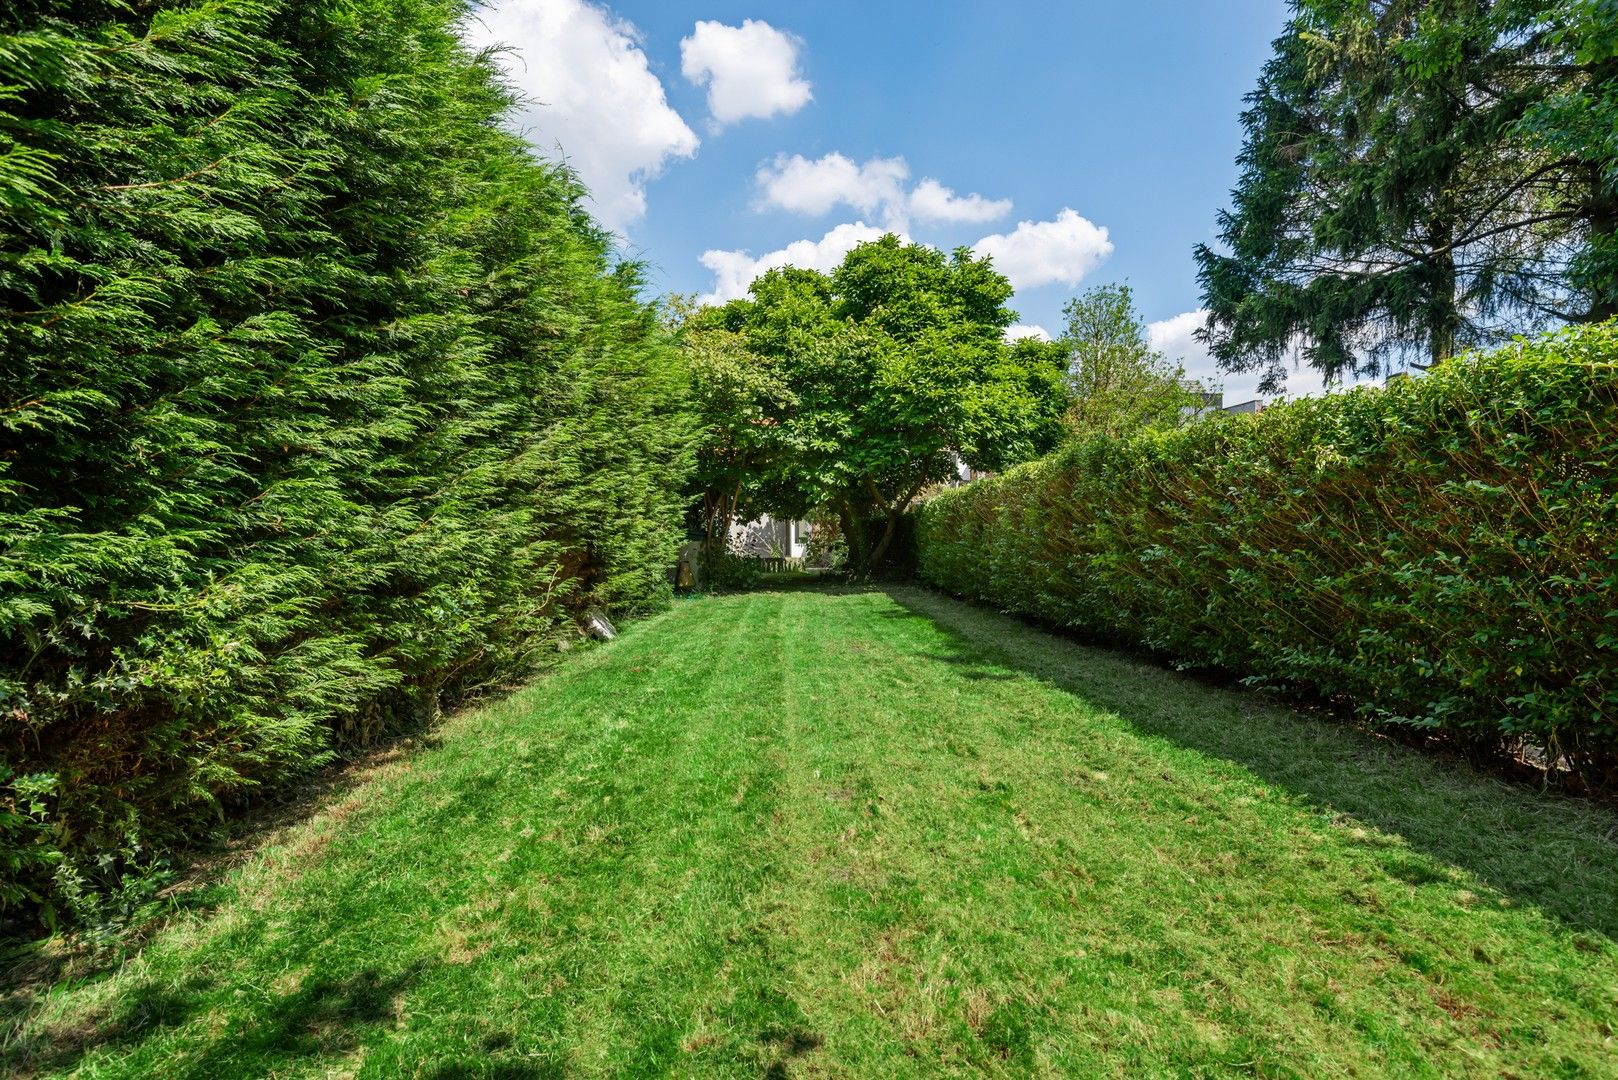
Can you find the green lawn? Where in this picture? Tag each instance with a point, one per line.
(875, 834)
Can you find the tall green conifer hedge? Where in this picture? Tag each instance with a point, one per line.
(321, 402)
(1442, 553)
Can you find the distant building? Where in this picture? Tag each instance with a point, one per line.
(1213, 401)
(965, 474)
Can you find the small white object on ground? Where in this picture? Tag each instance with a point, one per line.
(598, 625)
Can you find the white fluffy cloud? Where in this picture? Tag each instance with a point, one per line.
(815, 187)
(932, 201)
(877, 187)
(734, 271)
(1027, 330)
(592, 97)
(1176, 339)
(751, 70)
(1039, 253)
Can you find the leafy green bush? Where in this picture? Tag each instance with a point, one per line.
(726, 572)
(899, 560)
(1442, 552)
(322, 405)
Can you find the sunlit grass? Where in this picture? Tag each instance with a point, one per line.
(883, 834)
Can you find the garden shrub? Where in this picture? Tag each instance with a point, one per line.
(827, 548)
(1441, 553)
(728, 572)
(323, 404)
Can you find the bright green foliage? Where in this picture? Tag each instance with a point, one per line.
(1118, 384)
(897, 364)
(1440, 552)
(879, 836)
(735, 396)
(321, 405)
(1419, 177)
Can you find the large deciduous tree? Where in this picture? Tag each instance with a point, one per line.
(735, 395)
(899, 371)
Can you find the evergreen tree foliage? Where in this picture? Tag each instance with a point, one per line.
(1419, 177)
(1577, 124)
(323, 404)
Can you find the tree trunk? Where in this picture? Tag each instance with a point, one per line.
(894, 510)
(853, 535)
(720, 510)
(712, 517)
(881, 548)
(1604, 227)
(1443, 317)
(710, 521)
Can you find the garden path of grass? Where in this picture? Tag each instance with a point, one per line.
(876, 834)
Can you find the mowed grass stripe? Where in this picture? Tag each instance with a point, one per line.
(883, 834)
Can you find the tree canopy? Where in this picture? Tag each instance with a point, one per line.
(1418, 177)
(735, 395)
(899, 372)
(1118, 384)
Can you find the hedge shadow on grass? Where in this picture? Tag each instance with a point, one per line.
(1557, 853)
(32, 969)
(325, 1016)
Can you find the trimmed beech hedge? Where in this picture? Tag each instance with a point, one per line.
(1441, 553)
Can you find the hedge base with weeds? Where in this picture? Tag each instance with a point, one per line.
(1442, 552)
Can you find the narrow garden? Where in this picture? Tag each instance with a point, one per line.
(881, 833)
(432, 646)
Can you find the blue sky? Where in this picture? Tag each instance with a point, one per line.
(1098, 138)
